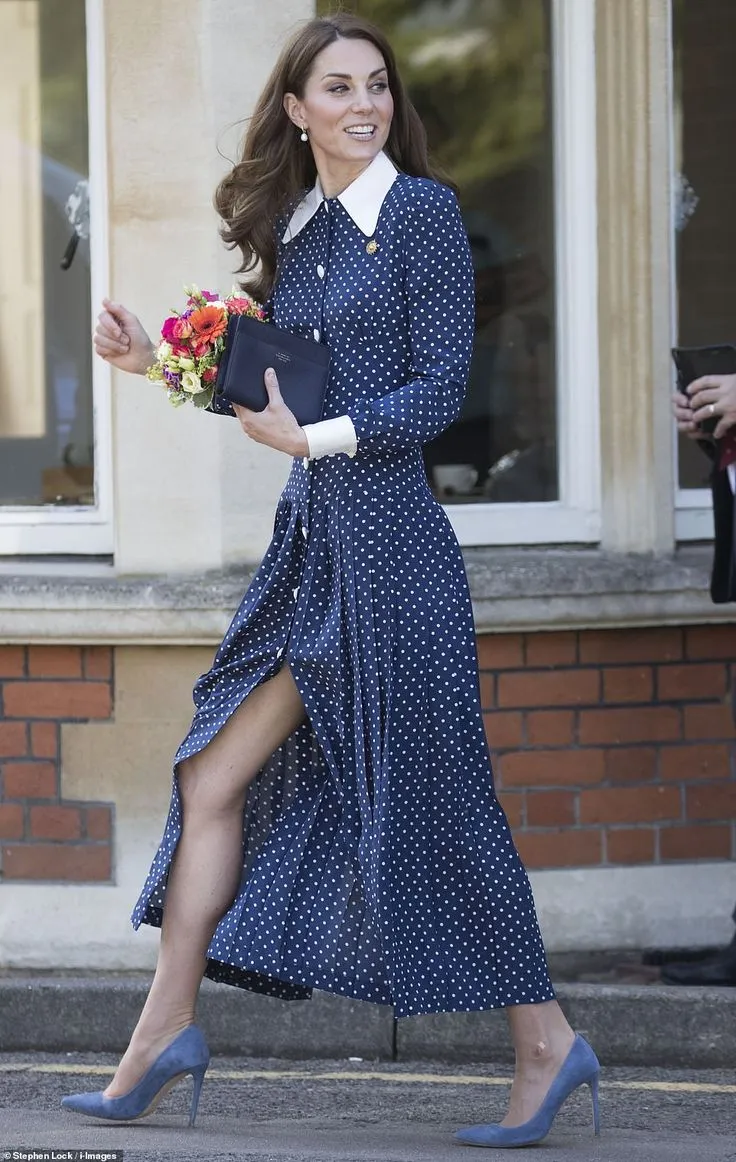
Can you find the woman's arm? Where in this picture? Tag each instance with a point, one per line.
(439, 288)
(120, 339)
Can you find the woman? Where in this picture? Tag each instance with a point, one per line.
(333, 823)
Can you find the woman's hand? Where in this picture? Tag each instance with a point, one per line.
(120, 339)
(683, 413)
(275, 426)
(714, 395)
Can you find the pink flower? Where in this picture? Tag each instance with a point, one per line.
(167, 331)
(182, 328)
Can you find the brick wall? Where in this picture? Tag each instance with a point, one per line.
(42, 836)
(614, 747)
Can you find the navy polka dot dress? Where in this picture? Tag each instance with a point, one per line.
(377, 861)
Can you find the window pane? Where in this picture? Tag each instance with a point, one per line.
(46, 433)
(478, 72)
(704, 34)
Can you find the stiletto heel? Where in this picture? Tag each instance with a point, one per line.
(187, 1054)
(197, 1079)
(580, 1067)
(596, 1109)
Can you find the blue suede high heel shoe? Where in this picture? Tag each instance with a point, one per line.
(580, 1067)
(187, 1054)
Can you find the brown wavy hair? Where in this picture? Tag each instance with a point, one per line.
(275, 169)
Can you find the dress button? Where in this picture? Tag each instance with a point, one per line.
(305, 462)
(296, 592)
(321, 270)
(305, 532)
(316, 334)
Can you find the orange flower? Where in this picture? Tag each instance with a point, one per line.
(208, 323)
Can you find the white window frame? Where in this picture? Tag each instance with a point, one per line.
(576, 516)
(693, 506)
(72, 530)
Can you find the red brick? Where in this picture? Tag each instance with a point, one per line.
(688, 683)
(54, 662)
(57, 700)
(99, 822)
(504, 730)
(711, 641)
(631, 845)
(13, 740)
(703, 761)
(45, 740)
(549, 768)
(12, 661)
(11, 821)
(610, 646)
(542, 688)
(631, 764)
(550, 727)
(29, 780)
(709, 722)
(59, 861)
(717, 801)
(551, 649)
(695, 842)
(56, 822)
(98, 663)
(630, 804)
(635, 724)
(550, 808)
(500, 651)
(488, 691)
(628, 684)
(560, 849)
(513, 804)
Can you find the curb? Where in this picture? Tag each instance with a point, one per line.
(650, 1025)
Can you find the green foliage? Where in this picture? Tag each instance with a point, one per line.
(477, 72)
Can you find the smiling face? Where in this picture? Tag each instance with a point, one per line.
(346, 107)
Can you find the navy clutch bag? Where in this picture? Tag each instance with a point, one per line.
(301, 365)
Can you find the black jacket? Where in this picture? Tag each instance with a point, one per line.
(723, 576)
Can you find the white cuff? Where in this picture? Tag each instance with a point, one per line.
(331, 436)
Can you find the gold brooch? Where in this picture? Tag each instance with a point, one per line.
(372, 246)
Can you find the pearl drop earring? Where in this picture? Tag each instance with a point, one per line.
(304, 135)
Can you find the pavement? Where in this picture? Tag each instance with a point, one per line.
(266, 1110)
(630, 1023)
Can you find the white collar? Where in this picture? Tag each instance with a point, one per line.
(362, 199)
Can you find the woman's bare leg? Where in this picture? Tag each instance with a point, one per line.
(542, 1039)
(207, 865)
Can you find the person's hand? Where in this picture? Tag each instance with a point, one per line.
(714, 395)
(120, 339)
(683, 413)
(275, 426)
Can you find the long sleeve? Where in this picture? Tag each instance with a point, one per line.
(439, 288)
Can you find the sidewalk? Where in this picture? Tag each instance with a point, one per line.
(629, 1024)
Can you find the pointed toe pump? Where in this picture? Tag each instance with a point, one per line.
(187, 1054)
(580, 1067)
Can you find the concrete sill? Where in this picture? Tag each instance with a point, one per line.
(512, 590)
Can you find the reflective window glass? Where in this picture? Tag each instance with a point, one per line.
(46, 416)
(479, 73)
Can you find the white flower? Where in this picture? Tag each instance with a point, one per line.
(164, 350)
(186, 363)
(191, 383)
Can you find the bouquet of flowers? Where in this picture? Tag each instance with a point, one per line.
(192, 343)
